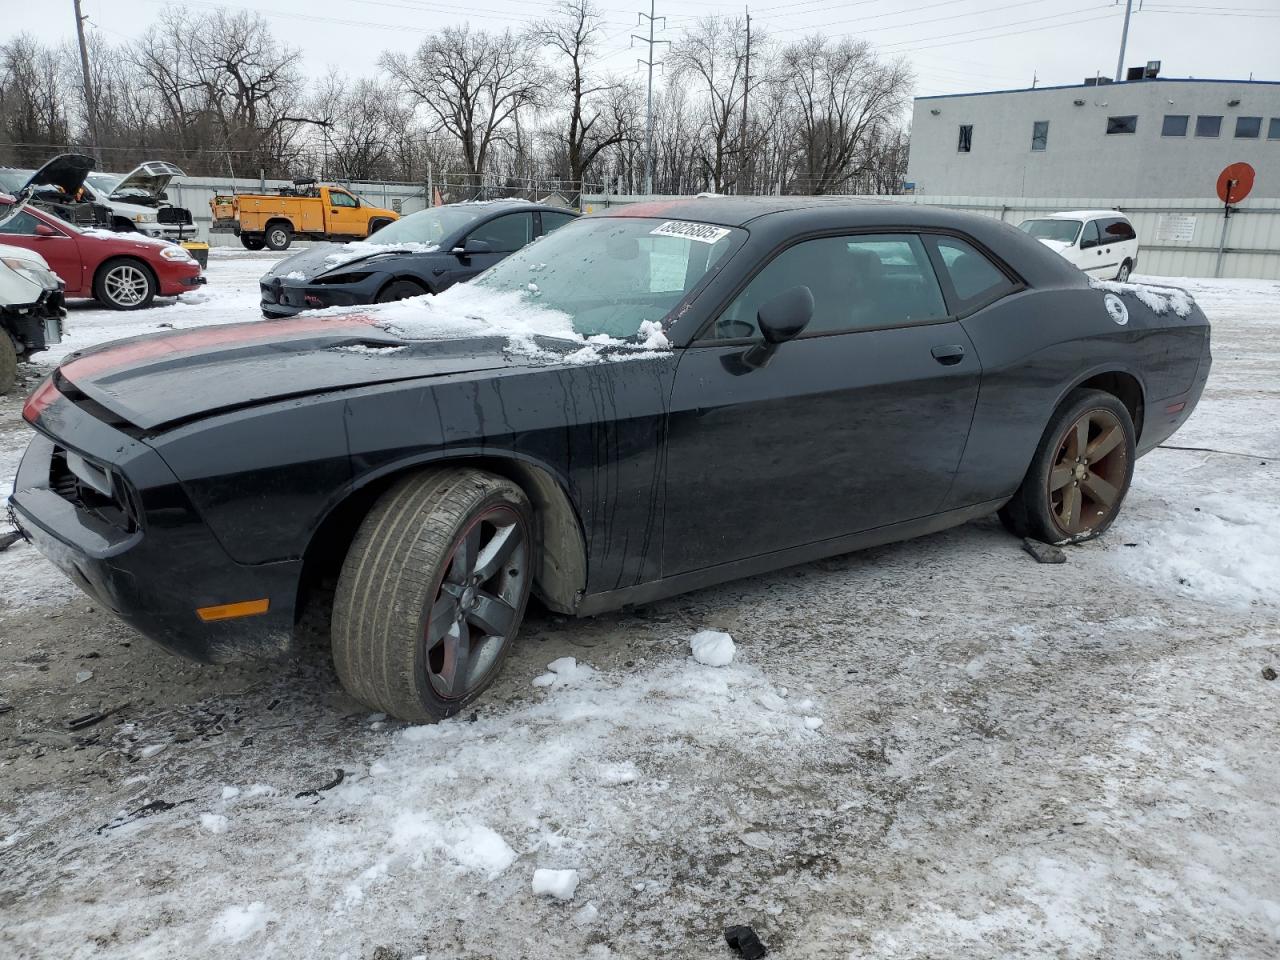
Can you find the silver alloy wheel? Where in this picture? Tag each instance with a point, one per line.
(126, 285)
(474, 614)
(278, 237)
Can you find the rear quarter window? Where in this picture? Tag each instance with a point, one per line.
(973, 278)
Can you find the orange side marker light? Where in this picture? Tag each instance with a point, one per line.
(230, 611)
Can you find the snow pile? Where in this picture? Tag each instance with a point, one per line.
(563, 672)
(471, 310)
(362, 249)
(560, 884)
(713, 648)
(1158, 300)
(213, 822)
(139, 238)
(239, 923)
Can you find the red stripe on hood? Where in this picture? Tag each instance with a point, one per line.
(116, 358)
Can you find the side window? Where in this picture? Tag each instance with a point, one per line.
(1208, 126)
(1117, 231)
(24, 224)
(974, 278)
(1175, 125)
(554, 221)
(965, 143)
(505, 234)
(857, 282)
(340, 199)
(1091, 237)
(1248, 128)
(1126, 124)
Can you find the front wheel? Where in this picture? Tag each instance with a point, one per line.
(432, 593)
(1080, 472)
(279, 236)
(399, 290)
(124, 285)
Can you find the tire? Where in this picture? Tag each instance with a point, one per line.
(278, 236)
(406, 577)
(1065, 500)
(124, 284)
(1125, 269)
(8, 363)
(252, 241)
(399, 290)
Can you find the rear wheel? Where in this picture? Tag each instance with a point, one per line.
(1080, 473)
(432, 593)
(279, 236)
(8, 362)
(252, 241)
(1125, 269)
(399, 290)
(124, 284)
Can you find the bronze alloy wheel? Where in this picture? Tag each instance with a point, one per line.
(1088, 477)
(477, 607)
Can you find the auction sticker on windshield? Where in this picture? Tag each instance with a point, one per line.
(702, 232)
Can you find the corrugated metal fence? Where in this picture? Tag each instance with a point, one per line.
(1178, 238)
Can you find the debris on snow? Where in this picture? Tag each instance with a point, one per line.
(560, 884)
(713, 648)
(84, 675)
(586, 916)
(812, 723)
(239, 923)
(743, 941)
(1268, 673)
(151, 749)
(338, 776)
(1044, 552)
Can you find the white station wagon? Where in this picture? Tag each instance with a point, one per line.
(1102, 243)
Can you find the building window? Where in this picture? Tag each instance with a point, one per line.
(1273, 130)
(1122, 124)
(966, 138)
(1248, 128)
(1040, 135)
(1175, 125)
(1208, 126)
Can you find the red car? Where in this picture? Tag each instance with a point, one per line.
(125, 271)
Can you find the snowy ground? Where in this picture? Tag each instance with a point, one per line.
(933, 749)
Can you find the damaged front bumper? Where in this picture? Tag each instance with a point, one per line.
(36, 326)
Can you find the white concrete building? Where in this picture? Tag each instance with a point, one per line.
(1140, 138)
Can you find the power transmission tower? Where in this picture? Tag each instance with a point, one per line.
(648, 107)
(90, 103)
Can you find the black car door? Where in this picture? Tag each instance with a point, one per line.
(504, 236)
(858, 423)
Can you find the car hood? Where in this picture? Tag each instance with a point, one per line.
(322, 258)
(66, 171)
(155, 381)
(147, 182)
(1057, 246)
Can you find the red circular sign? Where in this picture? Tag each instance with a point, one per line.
(1235, 182)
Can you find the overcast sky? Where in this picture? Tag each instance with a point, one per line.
(955, 46)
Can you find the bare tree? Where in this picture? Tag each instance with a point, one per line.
(594, 120)
(33, 83)
(713, 53)
(843, 97)
(361, 122)
(471, 82)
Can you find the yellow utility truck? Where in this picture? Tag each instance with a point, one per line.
(314, 211)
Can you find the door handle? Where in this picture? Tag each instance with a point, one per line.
(948, 354)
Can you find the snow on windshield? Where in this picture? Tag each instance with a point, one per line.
(467, 310)
(1157, 299)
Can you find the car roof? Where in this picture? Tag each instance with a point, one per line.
(1079, 215)
(736, 211)
(512, 204)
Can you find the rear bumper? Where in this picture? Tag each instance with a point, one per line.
(1166, 416)
(155, 573)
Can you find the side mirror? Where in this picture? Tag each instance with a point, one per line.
(472, 246)
(780, 319)
(44, 230)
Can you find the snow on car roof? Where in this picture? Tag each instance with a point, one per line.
(1079, 215)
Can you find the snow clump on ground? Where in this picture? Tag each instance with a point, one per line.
(713, 648)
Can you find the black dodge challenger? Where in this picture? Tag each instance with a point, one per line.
(642, 403)
(425, 252)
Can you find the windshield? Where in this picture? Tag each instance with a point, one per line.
(611, 274)
(1063, 231)
(103, 182)
(11, 181)
(428, 226)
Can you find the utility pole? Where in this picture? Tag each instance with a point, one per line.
(90, 102)
(1124, 40)
(648, 106)
(746, 91)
